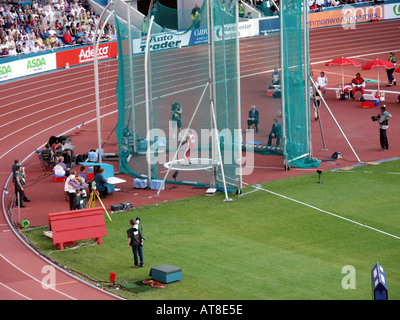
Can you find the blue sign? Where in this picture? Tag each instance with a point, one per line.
(379, 284)
(269, 25)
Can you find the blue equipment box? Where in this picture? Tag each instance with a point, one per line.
(166, 273)
(155, 184)
(140, 183)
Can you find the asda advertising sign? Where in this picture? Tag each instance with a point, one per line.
(392, 11)
(29, 66)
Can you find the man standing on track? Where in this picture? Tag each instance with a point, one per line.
(176, 117)
(391, 80)
(383, 119)
(19, 182)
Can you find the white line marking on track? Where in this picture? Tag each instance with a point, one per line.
(33, 278)
(11, 289)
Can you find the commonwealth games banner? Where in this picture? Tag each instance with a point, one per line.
(346, 17)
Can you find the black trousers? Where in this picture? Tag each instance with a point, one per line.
(390, 75)
(383, 139)
(21, 194)
(71, 197)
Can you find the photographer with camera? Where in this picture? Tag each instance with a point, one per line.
(176, 117)
(135, 240)
(383, 119)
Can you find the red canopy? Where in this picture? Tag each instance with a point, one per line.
(343, 62)
(397, 69)
(376, 64)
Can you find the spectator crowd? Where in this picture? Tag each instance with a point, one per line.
(49, 24)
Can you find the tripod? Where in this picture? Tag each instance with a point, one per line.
(92, 200)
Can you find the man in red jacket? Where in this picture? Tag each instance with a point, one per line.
(67, 38)
(357, 83)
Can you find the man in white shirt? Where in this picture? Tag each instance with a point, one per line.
(322, 83)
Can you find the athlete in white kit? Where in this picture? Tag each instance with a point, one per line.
(189, 141)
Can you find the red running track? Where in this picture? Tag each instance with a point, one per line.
(33, 109)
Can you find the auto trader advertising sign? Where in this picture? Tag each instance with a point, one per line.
(162, 41)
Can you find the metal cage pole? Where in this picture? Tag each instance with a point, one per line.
(239, 108)
(96, 76)
(146, 83)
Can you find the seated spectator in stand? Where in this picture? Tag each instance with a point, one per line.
(19, 49)
(313, 6)
(322, 83)
(73, 31)
(254, 118)
(58, 44)
(79, 32)
(25, 48)
(5, 52)
(332, 3)
(40, 43)
(49, 42)
(79, 41)
(320, 4)
(101, 186)
(41, 19)
(358, 84)
(67, 38)
(59, 28)
(276, 132)
(86, 39)
(12, 51)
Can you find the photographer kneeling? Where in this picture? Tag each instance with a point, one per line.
(383, 119)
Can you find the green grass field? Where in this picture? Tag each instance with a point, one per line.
(261, 245)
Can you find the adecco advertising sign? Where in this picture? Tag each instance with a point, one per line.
(392, 11)
(82, 55)
(28, 66)
(346, 17)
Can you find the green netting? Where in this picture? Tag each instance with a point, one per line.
(200, 77)
(295, 84)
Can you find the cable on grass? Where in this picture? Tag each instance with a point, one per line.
(154, 284)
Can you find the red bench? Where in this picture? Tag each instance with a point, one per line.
(67, 227)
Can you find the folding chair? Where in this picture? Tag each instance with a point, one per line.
(46, 166)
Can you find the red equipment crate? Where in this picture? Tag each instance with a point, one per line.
(67, 227)
(367, 104)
